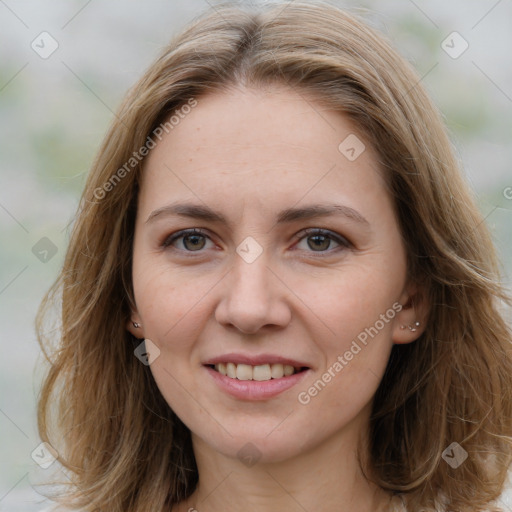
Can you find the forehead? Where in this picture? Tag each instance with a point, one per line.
(261, 145)
(269, 116)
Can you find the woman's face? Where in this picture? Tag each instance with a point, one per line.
(258, 173)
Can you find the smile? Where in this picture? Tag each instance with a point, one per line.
(261, 372)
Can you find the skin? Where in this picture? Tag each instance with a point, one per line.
(250, 153)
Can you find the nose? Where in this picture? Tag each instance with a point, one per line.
(253, 297)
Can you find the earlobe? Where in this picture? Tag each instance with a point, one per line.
(408, 332)
(411, 327)
(134, 327)
(410, 321)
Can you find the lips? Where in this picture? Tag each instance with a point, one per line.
(255, 377)
(255, 360)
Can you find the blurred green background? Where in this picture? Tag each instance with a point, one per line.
(54, 113)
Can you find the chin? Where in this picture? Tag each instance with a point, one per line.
(257, 445)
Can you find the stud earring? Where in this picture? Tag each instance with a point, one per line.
(410, 327)
(413, 329)
(136, 325)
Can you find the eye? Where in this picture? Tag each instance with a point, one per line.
(191, 240)
(317, 239)
(320, 240)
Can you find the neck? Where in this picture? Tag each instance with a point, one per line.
(325, 478)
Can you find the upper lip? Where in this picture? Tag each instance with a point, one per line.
(255, 360)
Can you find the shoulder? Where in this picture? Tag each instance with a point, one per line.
(504, 501)
(506, 496)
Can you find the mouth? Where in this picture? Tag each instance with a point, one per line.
(261, 372)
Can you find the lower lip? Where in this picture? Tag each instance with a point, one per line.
(254, 389)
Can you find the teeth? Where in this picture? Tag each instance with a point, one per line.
(230, 370)
(277, 371)
(260, 372)
(243, 372)
(288, 370)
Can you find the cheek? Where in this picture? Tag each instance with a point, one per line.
(355, 312)
(161, 302)
(166, 308)
(355, 358)
(353, 297)
(172, 314)
(160, 293)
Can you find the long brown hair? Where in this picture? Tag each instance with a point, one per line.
(122, 446)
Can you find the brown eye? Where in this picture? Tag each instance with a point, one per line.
(192, 240)
(321, 240)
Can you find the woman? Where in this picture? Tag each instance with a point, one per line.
(279, 293)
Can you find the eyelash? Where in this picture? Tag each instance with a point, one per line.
(342, 241)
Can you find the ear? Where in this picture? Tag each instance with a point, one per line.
(411, 321)
(138, 332)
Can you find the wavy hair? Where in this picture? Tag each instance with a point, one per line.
(121, 446)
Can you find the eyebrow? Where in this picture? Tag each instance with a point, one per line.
(205, 213)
